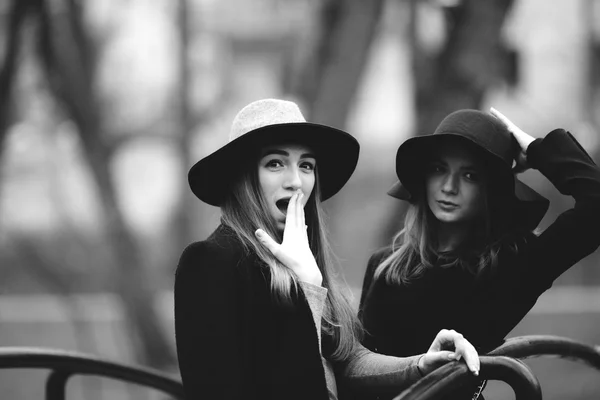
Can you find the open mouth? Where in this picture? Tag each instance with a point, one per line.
(282, 205)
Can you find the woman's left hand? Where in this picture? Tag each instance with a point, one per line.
(447, 346)
(294, 251)
(523, 139)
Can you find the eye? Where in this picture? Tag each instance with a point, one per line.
(436, 168)
(274, 163)
(307, 166)
(472, 176)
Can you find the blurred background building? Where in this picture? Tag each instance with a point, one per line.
(105, 105)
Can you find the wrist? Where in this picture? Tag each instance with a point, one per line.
(421, 366)
(312, 278)
(528, 141)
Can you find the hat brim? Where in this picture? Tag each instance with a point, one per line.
(336, 152)
(529, 208)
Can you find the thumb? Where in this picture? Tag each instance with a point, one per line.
(521, 164)
(435, 359)
(441, 357)
(267, 241)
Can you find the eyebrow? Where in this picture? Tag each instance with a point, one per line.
(469, 167)
(285, 153)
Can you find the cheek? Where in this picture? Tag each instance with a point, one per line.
(267, 183)
(430, 187)
(308, 184)
(477, 203)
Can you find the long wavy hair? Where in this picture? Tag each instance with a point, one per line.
(245, 210)
(414, 247)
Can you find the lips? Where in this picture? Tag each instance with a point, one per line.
(447, 205)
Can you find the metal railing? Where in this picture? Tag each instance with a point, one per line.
(65, 364)
(451, 376)
(547, 345)
(503, 363)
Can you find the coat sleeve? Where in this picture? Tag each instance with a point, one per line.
(373, 374)
(574, 234)
(210, 346)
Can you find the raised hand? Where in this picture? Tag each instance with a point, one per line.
(447, 346)
(523, 139)
(294, 251)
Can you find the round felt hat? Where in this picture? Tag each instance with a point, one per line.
(490, 137)
(274, 121)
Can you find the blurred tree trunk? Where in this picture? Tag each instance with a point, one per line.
(69, 58)
(16, 18)
(183, 218)
(470, 61)
(331, 74)
(330, 77)
(590, 271)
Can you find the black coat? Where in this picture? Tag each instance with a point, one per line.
(403, 320)
(232, 341)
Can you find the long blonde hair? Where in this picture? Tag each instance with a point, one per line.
(414, 247)
(245, 210)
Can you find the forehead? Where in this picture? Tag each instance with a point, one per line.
(291, 148)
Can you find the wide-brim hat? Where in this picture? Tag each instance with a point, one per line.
(273, 121)
(491, 139)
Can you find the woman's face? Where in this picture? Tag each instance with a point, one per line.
(282, 170)
(455, 185)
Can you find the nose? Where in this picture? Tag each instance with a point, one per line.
(450, 185)
(292, 179)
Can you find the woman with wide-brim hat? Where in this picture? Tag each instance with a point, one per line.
(257, 312)
(467, 256)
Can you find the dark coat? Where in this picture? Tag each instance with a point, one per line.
(403, 320)
(233, 342)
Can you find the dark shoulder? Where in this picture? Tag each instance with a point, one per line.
(218, 254)
(378, 256)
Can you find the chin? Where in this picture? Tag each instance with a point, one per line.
(280, 226)
(447, 218)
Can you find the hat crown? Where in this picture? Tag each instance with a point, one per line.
(263, 113)
(483, 129)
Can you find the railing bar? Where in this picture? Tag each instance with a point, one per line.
(56, 384)
(85, 364)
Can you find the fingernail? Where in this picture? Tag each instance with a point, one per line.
(258, 233)
(476, 373)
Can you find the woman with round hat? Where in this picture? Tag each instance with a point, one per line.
(467, 256)
(258, 314)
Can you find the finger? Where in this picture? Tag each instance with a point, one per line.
(444, 339)
(520, 163)
(290, 217)
(302, 214)
(511, 126)
(436, 359)
(501, 117)
(472, 360)
(299, 210)
(465, 350)
(267, 241)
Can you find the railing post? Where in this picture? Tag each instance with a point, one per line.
(56, 384)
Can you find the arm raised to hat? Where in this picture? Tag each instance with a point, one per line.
(294, 251)
(523, 139)
(573, 234)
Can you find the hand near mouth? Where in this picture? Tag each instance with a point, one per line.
(294, 251)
